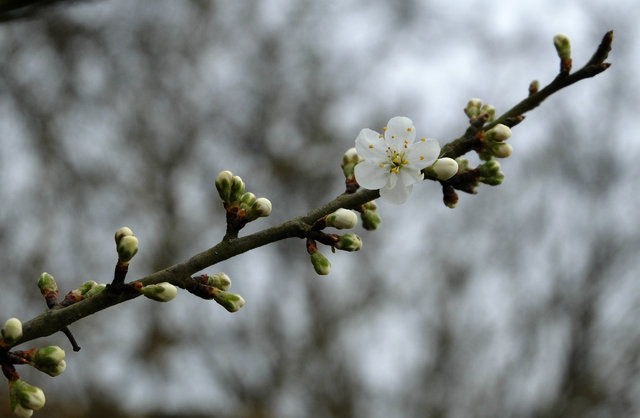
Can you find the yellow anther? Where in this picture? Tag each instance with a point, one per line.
(381, 165)
(380, 136)
(370, 146)
(423, 139)
(393, 136)
(384, 129)
(422, 157)
(395, 170)
(405, 162)
(395, 160)
(408, 129)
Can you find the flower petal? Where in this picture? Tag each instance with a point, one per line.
(423, 153)
(409, 175)
(396, 195)
(370, 145)
(370, 175)
(400, 129)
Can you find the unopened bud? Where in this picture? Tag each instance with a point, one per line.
(490, 110)
(219, 280)
(237, 189)
(473, 108)
(445, 168)
(161, 292)
(125, 231)
(94, 290)
(50, 360)
(490, 173)
(342, 219)
(534, 86)
(127, 248)
(223, 185)
(370, 219)
(26, 396)
(47, 283)
(349, 160)
(12, 330)
(349, 242)
(261, 207)
(498, 133)
(247, 200)
(320, 264)
(563, 46)
(502, 150)
(230, 301)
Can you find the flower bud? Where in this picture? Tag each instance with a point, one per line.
(47, 283)
(534, 86)
(490, 173)
(370, 219)
(219, 280)
(342, 219)
(261, 207)
(97, 288)
(349, 242)
(349, 160)
(127, 248)
(247, 200)
(230, 301)
(473, 108)
(487, 108)
(502, 150)
(26, 396)
(123, 232)
(161, 292)
(563, 46)
(445, 168)
(371, 205)
(21, 412)
(320, 263)
(223, 185)
(237, 189)
(498, 133)
(12, 330)
(50, 360)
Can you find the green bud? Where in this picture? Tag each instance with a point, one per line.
(502, 150)
(320, 263)
(490, 173)
(99, 287)
(349, 242)
(498, 133)
(444, 168)
(563, 46)
(26, 396)
(487, 108)
(370, 219)
(127, 248)
(371, 205)
(50, 360)
(12, 330)
(21, 412)
(463, 164)
(248, 199)
(219, 280)
(237, 189)
(473, 108)
(223, 185)
(230, 301)
(123, 232)
(349, 160)
(342, 219)
(161, 292)
(46, 282)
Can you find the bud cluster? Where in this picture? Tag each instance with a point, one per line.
(490, 173)
(49, 360)
(476, 110)
(216, 287)
(242, 207)
(494, 145)
(25, 398)
(86, 290)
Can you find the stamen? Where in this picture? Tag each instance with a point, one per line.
(395, 160)
(381, 165)
(380, 136)
(370, 146)
(395, 170)
(405, 162)
(422, 157)
(408, 129)
(384, 129)
(423, 139)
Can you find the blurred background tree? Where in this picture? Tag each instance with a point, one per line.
(522, 302)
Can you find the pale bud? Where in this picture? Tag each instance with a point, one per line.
(223, 184)
(12, 330)
(473, 108)
(219, 280)
(125, 231)
(50, 360)
(342, 219)
(127, 248)
(349, 160)
(26, 396)
(490, 110)
(237, 189)
(230, 301)
(262, 207)
(161, 292)
(502, 150)
(370, 219)
(445, 168)
(563, 45)
(46, 282)
(498, 133)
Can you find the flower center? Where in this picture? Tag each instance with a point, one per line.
(396, 160)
